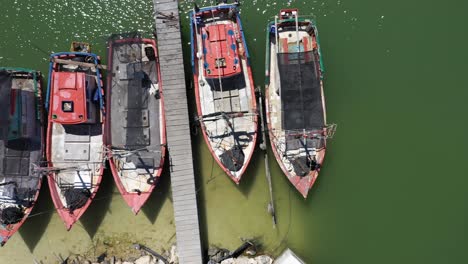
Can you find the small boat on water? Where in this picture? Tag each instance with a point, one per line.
(136, 130)
(77, 46)
(74, 141)
(295, 102)
(224, 88)
(21, 146)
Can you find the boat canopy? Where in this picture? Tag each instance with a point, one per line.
(301, 97)
(68, 105)
(17, 94)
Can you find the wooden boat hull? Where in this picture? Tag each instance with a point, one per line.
(299, 146)
(135, 179)
(224, 88)
(20, 183)
(74, 141)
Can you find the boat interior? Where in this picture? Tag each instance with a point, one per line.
(20, 140)
(228, 113)
(296, 102)
(136, 115)
(76, 132)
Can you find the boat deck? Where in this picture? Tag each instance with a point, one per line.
(138, 112)
(178, 131)
(301, 93)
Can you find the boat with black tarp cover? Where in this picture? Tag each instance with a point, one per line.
(295, 102)
(75, 149)
(136, 131)
(21, 146)
(224, 88)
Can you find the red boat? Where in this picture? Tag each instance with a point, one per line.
(75, 150)
(136, 130)
(295, 102)
(21, 147)
(224, 87)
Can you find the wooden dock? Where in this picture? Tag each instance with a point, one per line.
(178, 131)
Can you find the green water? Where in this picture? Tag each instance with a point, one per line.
(393, 186)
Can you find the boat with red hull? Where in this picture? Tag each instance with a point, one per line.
(21, 147)
(295, 102)
(224, 87)
(136, 130)
(74, 141)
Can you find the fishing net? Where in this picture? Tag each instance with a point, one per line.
(301, 166)
(76, 198)
(233, 159)
(301, 95)
(11, 215)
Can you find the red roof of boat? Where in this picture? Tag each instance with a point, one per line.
(68, 102)
(220, 51)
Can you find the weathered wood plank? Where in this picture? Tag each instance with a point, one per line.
(178, 129)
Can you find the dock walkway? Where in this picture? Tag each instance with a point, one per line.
(178, 131)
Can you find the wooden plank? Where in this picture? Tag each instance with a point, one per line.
(178, 128)
(168, 30)
(181, 182)
(182, 187)
(176, 148)
(185, 196)
(177, 131)
(172, 82)
(79, 63)
(187, 212)
(166, 5)
(170, 46)
(173, 41)
(184, 137)
(160, 2)
(166, 59)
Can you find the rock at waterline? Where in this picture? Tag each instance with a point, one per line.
(246, 260)
(174, 258)
(146, 260)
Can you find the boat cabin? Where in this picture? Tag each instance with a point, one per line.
(71, 101)
(220, 51)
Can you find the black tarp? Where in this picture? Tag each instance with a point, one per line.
(301, 96)
(5, 91)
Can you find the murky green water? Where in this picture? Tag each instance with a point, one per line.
(393, 187)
